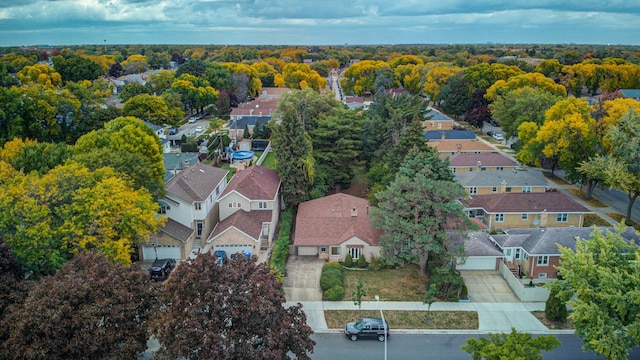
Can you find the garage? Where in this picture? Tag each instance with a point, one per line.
(307, 250)
(234, 249)
(163, 252)
(478, 263)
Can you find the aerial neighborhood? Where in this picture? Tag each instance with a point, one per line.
(207, 202)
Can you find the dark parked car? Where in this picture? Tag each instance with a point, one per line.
(173, 131)
(161, 269)
(371, 328)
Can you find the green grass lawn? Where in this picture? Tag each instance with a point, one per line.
(270, 161)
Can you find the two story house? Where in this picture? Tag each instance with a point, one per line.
(249, 212)
(192, 210)
(525, 210)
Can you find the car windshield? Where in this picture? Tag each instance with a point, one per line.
(358, 325)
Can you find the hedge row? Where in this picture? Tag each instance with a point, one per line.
(332, 282)
(280, 248)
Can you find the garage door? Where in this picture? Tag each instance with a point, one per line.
(478, 263)
(307, 250)
(163, 251)
(234, 249)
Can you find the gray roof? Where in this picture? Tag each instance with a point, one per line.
(476, 243)
(195, 183)
(631, 93)
(435, 135)
(436, 115)
(250, 121)
(495, 178)
(545, 241)
(177, 230)
(177, 161)
(485, 159)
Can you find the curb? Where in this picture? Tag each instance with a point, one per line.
(444, 332)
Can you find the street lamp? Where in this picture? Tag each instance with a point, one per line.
(384, 326)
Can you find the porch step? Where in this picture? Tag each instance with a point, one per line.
(196, 244)
(264, 243)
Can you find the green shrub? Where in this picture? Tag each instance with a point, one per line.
(348, 261)
(280, 248)
(331, 276)
(554, 308)
(376, 263)
(336, 293)
(362, 262)
(450, 286)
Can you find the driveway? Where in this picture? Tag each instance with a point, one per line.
(487, 286)
(302, 282)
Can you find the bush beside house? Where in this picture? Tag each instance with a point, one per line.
(332, 282)
(280, 249)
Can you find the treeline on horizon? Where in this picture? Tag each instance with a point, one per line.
(458, 54)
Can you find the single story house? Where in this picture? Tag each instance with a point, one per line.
(336, 225)
(525, 210)
(502, 181)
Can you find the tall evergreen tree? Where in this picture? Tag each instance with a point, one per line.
(415, 210)
(294, 159)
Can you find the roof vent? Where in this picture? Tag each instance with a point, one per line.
(354, 212)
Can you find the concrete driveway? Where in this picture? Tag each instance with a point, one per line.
(487, 286)
(302, 282)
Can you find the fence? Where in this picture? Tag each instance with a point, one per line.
(524, 293)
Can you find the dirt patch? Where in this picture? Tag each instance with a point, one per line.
(402, 319)
(553, 325)
(400, 284)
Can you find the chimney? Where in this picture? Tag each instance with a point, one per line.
(479, 163)
(503, 186)
(186, 164)
(354, 212)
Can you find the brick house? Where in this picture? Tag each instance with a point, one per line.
(459, 163)
(525, 210)
(502, 181)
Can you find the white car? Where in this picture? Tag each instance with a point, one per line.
(199, 129)
(498, 136)
(192, 120)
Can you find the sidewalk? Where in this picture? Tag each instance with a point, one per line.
(492, 317)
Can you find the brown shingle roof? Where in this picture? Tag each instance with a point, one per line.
(255, 183)
(329, 221)
(460, 145)
(248, 222)
(554, 202)
(195, 183)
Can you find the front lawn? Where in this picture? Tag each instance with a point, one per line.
(402, 319)
(401, 284)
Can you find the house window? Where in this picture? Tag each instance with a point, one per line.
(473, 190)
(199, 228)
(439, 125)
(508, 189)
(164, 207)
(217, 191)
(355, 252)
(494, 189)
(499, 217)
(470, 169)
(499, 168)
(262, 204)
(526, 256)
(526, 189)
(543, 260)
(563, 217)
(335, 251)
(323, 249)
(453, 170)
(517, 253)
(507, 252)
(198, 205)
(524, 217)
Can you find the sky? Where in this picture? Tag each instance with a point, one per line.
(318, 22)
